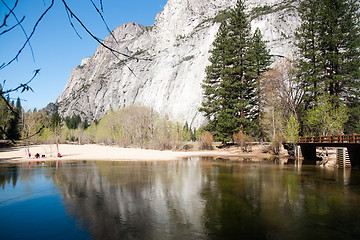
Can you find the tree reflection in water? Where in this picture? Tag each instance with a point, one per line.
(208, 199)
(133, 200)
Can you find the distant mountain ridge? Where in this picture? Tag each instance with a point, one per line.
(169, 59)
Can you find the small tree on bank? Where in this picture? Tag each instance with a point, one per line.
(327, 117)
(292, 131)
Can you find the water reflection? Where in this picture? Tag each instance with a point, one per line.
(206, 199)
(134, 200)
(8, 176)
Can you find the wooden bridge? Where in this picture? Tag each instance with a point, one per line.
(351, 142)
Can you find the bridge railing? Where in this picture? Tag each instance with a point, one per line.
(353, 138)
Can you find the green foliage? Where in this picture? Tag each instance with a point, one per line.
(55, 121)
(188, 133)
(36, 122)
(73, 122)
(133, 126)
(230, 87)
(187, 58)
(353, 124)
(326, 118)
(13, 131)
(260, 54)
(329, 46)
(292, 130)
(5, 114)
(267, 9)
(85, 124)
(138, 126)
(222, 16)
(10, 118)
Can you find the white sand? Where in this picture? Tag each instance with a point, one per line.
(99, 152)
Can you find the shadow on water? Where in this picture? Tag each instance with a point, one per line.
(201, 198)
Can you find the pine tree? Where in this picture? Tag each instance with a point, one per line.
(261, 56)
(261, 62)
(212, 84)
(329, 46)
(55, 126)
(230, 87)
(13, 126)
(309, 48)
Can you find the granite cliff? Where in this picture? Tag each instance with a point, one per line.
(168, 59)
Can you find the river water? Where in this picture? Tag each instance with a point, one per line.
(195, 198)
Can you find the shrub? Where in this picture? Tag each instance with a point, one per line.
(206, 140)
(276, 144)
(244, 141)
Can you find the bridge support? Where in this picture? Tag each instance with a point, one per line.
(351, 142)
(309, 153)
(354, 154)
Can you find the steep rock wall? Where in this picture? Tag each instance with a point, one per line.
(169, 61)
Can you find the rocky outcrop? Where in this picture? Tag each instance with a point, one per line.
(168, 59)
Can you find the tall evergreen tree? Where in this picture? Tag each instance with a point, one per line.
(55, 126)
(13, 131)
(329, 48)
(212, 103)
(261, 56)
(230, 87)
(309, 48)
(261, 63)
(5, 114)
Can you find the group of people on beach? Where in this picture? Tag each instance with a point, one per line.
(37, 155)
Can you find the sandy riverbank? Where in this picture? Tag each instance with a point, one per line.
(99, 152)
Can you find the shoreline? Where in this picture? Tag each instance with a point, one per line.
(109, 153)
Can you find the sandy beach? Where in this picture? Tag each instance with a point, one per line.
(100, 152)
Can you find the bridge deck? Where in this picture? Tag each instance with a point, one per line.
(351, 142)
(332, 139)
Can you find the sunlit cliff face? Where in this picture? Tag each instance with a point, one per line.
(169, 59)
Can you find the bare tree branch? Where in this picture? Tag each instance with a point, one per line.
(28, 38)
(19, 23)
(8, 30)
(72, 25)
(7, 15)
(102, 17)
(113, 51)
(23, 86)
(101, 5)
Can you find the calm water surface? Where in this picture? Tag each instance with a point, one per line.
(188, 199)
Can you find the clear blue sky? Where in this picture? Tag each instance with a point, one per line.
(57, 48)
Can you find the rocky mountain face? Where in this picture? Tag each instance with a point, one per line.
(168, 59)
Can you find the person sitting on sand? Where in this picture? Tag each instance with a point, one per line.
(59, 155)
(37, 155)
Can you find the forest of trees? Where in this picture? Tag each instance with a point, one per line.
(315, 94)
(133, 126)
(247, 97)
